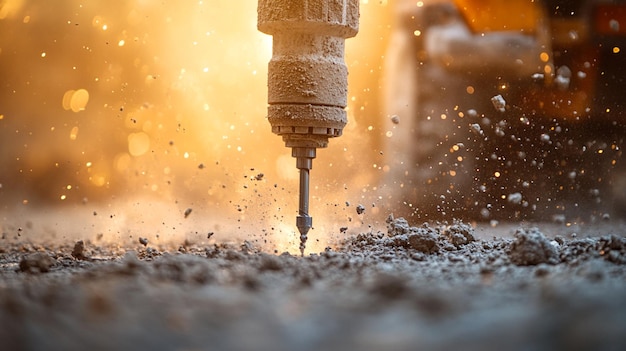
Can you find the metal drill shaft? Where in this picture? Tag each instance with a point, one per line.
(304, 162)
(304, 222)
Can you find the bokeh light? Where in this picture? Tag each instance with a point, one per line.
(149, 108)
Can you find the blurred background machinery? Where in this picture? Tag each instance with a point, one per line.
(495, 115)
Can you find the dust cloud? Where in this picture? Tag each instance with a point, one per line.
(117, 119)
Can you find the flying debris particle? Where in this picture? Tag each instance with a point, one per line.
(259, 176)
(614, 24)
(472, 113)
(143, 241)
(485, 213)
(524, 120)
(515, 198)
(201, 166)
(343, 229)
(395, 119)
(545, 138)
(563, 78)
(499, 132)
(476, 128)
(499, 103)
(360, 209)
(188, 212)
(209, 235)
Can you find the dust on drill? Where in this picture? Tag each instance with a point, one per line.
(307, 80)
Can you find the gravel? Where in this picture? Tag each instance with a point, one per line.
(430, 286)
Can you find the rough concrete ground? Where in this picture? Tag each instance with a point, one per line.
(436, 287)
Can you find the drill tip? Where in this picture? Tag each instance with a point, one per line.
(304, 222)
(303, 228)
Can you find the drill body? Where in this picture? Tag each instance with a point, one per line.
(307, 79)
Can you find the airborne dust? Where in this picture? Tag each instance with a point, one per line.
(117, 119)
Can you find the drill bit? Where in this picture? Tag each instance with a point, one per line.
(304, 162)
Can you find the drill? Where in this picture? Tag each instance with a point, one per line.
(307, 79)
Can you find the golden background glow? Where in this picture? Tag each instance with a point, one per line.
(120, 116)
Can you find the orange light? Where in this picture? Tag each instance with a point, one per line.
(495, 15)
(547, 69)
